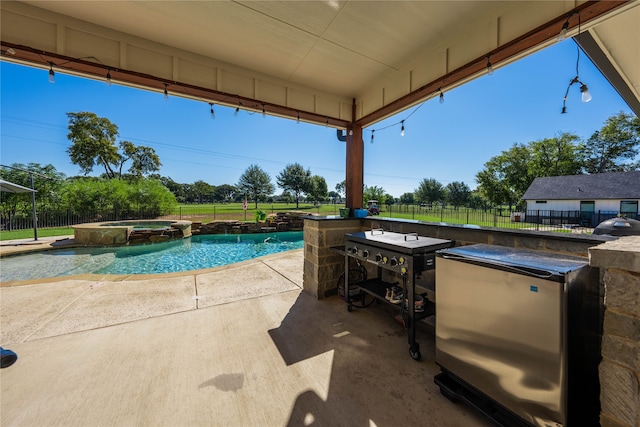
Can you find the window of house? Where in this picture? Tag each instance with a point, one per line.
(629, 208)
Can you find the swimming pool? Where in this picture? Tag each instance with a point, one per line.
(194, 253)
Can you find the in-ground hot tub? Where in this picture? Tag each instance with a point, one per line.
(121, 232)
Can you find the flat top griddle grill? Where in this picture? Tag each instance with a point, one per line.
(404, 256)
(406, 244)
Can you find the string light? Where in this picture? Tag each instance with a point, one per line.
(584, 89)
(264, 114)
(298, 120)
(372, 132)
(565, 27)
(213, 113)
(327, 122)
(489, 66)
(402, 130)
(441, 96)
(108, 81)
(52, 74)
(235, 113)
(166, 92)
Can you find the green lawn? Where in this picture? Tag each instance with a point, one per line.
(42, 232)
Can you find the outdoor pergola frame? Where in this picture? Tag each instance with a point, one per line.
(349, 117)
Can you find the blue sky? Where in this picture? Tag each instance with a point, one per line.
(450, 142)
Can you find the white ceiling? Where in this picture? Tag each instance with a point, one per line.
(342, 60)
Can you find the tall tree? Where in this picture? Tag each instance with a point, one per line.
(93, 141)
(555, 156)
(507, 176)
(256, 183)
(341, 188)
(317, 188)
(144, 159)
(202, 189)
(407, 199)
(225, 192)
(429, 191)
(616, 142)
(458, 193)
(295, 179)
(373, 193)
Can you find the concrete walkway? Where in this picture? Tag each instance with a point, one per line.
(240, 345)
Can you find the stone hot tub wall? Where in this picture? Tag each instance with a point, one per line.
(115, 233)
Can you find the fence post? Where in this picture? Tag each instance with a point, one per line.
(495, 218)
(413, 215)
(180, 212)
(467, 216)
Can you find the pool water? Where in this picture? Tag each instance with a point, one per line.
(194, 253)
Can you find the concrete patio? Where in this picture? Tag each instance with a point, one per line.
(240, 345)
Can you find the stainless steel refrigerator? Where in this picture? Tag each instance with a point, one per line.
(518, 334)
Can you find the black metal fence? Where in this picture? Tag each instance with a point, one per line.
(544, 220)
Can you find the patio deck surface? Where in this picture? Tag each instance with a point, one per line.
(240, 345)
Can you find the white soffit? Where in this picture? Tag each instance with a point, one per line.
(308, 56)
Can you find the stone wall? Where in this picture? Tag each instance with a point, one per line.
(281, 221)
(619, 262)
(323, 265)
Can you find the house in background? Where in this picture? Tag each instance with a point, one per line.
(586, 200)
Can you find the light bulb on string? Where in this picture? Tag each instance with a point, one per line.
(166, 92)
(235, 113)
(52, 74)
(298, 119)
(213, 113)
(372, 132)
(489, 66)
(586, 96)
(402, 130)
(108, 77)
(264, 114)
(441, 97)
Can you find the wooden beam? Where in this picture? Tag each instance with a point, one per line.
(92, 67)
(587, 11)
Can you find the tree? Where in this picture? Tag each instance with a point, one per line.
(224, 192)
(507, 176)
(94, 143)
(341, 188)
(47, 182)
(429, 191)
(457, 193)
(555, 156)
(616, 142)
(373, 193)
(296, 180)
(317, 188)
(202, 189)
(256, 183)
(407, 199)
(144, 159)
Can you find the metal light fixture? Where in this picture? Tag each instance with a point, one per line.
(489, 66)
(108, 81)
(402, 130)
(213, 113)
(166, 92)
(441, 96)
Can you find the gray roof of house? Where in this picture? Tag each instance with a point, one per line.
(614, 185)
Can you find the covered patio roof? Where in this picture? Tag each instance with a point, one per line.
(345, 64)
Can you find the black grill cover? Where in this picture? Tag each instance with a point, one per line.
(618, 227)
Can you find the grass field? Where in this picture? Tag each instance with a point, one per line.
(234, 211)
